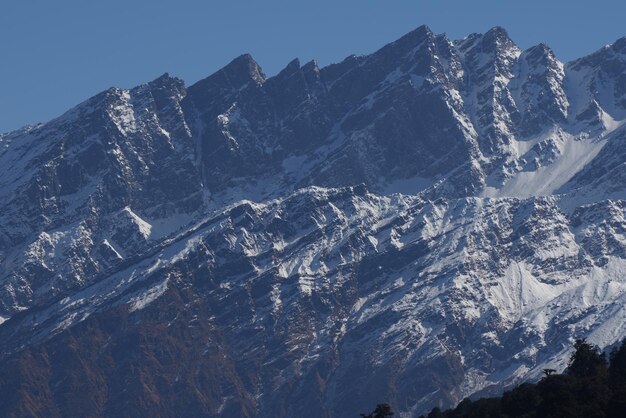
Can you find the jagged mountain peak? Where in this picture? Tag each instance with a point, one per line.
(619, 46)
(497, 34)
(407, 43)
(602, 75)
(311, 66)
(541, 51)
(115, 96)
(291, 68)
(244, 66)
(494, 41)
(311, 69)
(497, 41)
(436, 211)
(239, 73)
(614, 51)
(166, 81)
(417, 35)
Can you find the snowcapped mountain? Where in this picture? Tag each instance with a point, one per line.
(435, 220)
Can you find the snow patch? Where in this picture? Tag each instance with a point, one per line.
(141, 301)
(411, 186)
(144, 227)
(575, 153)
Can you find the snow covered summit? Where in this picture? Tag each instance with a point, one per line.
(434, 220)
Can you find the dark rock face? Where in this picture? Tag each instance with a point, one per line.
(235, 248)
(354, 122)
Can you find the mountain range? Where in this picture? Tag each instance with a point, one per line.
(437, 220)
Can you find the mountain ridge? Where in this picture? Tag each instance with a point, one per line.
(436, 219)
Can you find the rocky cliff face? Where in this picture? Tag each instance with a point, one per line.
(435, 220)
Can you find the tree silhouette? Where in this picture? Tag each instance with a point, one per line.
(382, 411)
(617, 381)
(617, 371)
(586, 361)
(435, 413)
(587, 389)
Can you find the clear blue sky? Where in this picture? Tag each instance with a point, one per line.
(56, 53)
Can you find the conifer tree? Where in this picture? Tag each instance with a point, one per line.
(617, 381)
(381, 411)
(586, 361)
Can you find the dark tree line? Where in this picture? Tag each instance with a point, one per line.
(590, 387)
(382, 410)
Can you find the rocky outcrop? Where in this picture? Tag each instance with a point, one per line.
(239, 248)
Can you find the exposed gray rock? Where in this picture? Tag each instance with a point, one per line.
(249, 224)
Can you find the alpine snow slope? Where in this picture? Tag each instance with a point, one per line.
(436, 220)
